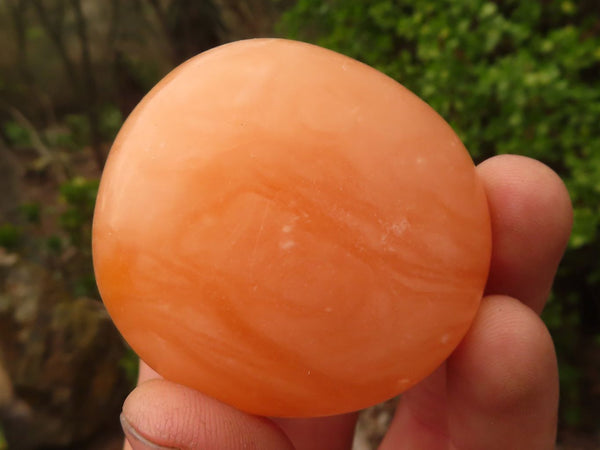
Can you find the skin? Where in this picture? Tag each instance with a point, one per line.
(498, 390)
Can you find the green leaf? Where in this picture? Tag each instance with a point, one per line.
(10, 236)
(585, 227)
(16, 134)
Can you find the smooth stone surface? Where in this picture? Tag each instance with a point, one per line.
(290, 231)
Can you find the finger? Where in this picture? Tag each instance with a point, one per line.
(145, 373)
(502, 381)
(327, 433)
(531, 219)
(323, 433)
(420, 421)
(500, 388)
(161, 414)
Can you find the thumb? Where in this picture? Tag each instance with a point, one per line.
(159, 414)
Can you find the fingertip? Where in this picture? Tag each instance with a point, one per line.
(510, 350)
(136, 440)
(521, 172)
(531, 217)
(523, 186)
(503, 379)
(174, 416)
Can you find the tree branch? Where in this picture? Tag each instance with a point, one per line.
(89, 85)
(54, 32)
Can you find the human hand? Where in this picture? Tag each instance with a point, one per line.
(498, 389)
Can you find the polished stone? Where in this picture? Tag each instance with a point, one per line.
(290, 231)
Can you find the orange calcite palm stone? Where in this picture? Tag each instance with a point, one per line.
(290, 231)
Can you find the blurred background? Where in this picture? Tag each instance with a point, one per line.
(510, 77)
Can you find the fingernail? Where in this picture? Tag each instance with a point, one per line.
(136, 440)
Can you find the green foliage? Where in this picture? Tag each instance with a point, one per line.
(54, 244)
(143, 72)
(563, 320)
(61, 137)
(31, 212)
(16, 134)
(130, 365)
(79, 194)
(10, 236)
(111, 121)
(79, 131)
(75, 221)
(3, 444)
(510, 77)
(85, 285)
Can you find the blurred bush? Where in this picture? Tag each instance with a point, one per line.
(510, 77)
